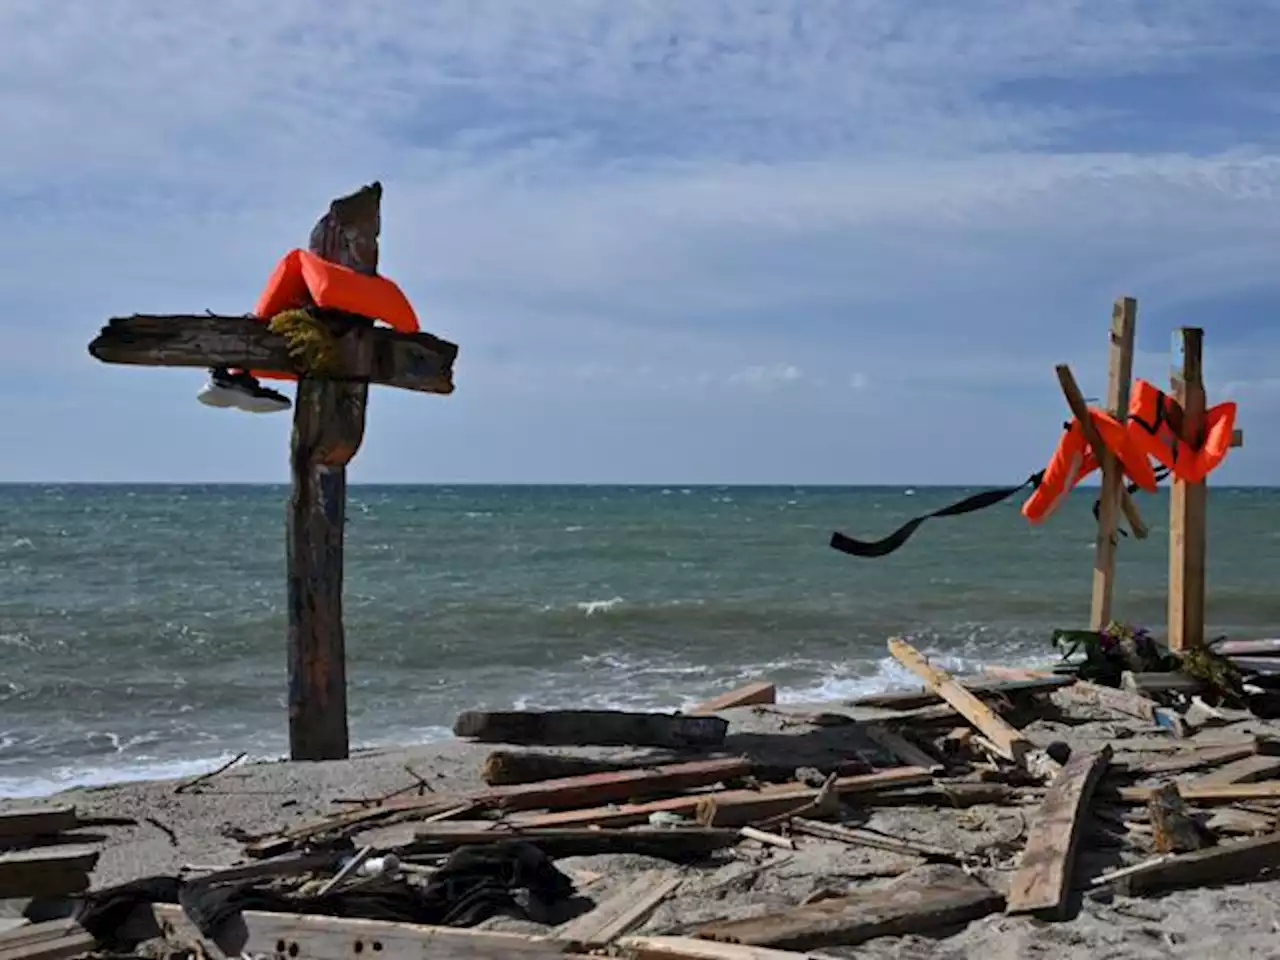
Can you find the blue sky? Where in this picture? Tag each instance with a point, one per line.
(811, 241)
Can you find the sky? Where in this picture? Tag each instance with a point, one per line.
(722, 241)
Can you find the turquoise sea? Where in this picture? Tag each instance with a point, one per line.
(142, 628)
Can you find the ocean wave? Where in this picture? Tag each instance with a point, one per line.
(592, 607)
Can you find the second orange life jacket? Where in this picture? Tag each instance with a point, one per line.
(1151, 431)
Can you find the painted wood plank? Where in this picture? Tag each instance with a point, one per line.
(750, 694)
(1043, 879)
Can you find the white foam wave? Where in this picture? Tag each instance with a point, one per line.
(592, 607)
(78, 775)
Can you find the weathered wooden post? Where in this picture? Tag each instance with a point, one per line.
(328, 426)
(1188, 503)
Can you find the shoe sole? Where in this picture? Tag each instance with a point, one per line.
(223, 398)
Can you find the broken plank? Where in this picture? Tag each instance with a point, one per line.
(734, 807)
(689, 948)
(1173, 830)
(51, 940)
(1043, 879)
(922, 900)
(876, 841)
(37, 822)
(1011, 744)
(1246, 770)
(1190, 759)
(46, 871)
(1232, 820)
(510, 767)
(677, 844)
(1269, 647)
(1147, 683)
(1235, 862)
(1121, 701)
(901, 748)
(604, 728)
(333, 938)
(622, 912)
(979, 686)
(1220, 793)
(747, 695)
(595, 789)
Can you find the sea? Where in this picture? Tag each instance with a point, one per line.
(142, 628)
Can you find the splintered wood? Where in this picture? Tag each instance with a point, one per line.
(1044, 872)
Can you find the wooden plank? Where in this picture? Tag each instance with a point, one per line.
(979, 686)
(334, 938)
(761, 691)
(1268, 647)
(37, 821)
(504, 768)
(735, 807)
(1121, 701)
(1237, 862)
(1231, 820)
(46, 871)
(689, 948)
(1043, 879)
(1246, 770)
(595, 789)
(52, 940)
(1212, 793)
(410, 361)
(1080, 410)
(604, 728)
(1147, 683)
(622, 912)
(678, 844)
(328, 427)
(1190, 759)
(1187, 506)
(901, 748)
(1124, 317)
(915, 903)
(1011, 744)
(876, 841)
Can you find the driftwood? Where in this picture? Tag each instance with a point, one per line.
(734, 808)
(917, 902)
(37, 822)
(981, 687)
(509, 767)
(876, 841)
(1235, 862)
(750, 694)
(1043, 879)
(621, 913)
(690, 948)
(1173, 830)
(51, 940)
(46, 871)
(604, 728)
(677, 844)
(1011, 744)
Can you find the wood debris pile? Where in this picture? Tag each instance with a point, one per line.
(1123, 811)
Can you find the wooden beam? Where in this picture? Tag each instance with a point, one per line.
(1010, 744)
(503, 768)
(46, 871)
(1187, 505)
(1239, 861)
(260, 933)
(747, 695)
(1080, 410)
(410, 361)
(1245, 770)
(980, 686)
(938, 896)
(691, 948)
(51, 940)
(37, 821)
(1210, 793)
(605, 728)
(1124, 316)
(595, 789)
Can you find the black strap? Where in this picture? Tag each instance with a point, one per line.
(978, 501)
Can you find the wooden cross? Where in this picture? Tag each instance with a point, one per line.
(328, 426)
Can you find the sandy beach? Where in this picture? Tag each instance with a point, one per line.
(176, 831)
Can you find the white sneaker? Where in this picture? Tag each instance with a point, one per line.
(241, 391)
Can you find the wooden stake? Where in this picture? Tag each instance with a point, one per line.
(1187, 504)
(1124, 316)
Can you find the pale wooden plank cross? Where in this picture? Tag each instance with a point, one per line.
(328, 427)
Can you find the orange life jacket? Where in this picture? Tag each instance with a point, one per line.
(1073, 460)
(1151, 432)
(302, 279)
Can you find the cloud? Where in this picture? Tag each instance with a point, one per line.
(604, 203)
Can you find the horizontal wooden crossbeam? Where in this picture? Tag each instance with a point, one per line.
(411, 361)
